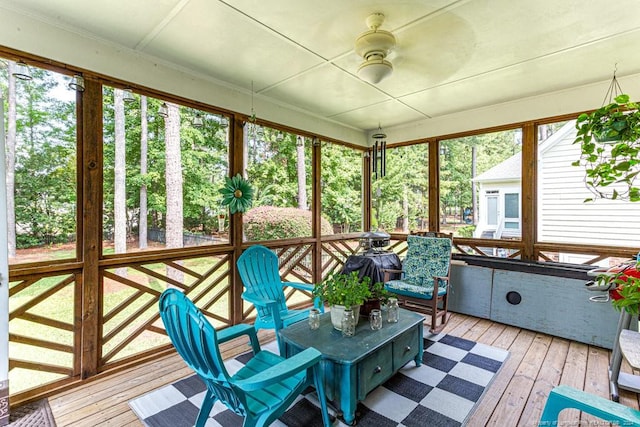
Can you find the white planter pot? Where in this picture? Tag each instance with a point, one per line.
(337, 311)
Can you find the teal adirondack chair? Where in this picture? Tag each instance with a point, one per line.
(262, 390)
(260, 274)
(564, 397)
(425, 273)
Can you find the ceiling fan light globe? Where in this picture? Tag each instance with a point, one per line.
(375, 70)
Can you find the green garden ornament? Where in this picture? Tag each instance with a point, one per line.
(237, 194)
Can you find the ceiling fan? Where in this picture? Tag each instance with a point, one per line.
(374, 46)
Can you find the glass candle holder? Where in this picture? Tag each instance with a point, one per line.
(392, 310)
(314, 318)
(375, 319)
(348, 324)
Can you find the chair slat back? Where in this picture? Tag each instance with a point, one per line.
(427, 257)
(195, 339)
(260, 274)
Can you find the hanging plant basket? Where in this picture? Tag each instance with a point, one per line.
(237, 194)
(616, 121)
(609, 139)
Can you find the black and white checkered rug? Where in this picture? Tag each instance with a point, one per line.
(442, 392)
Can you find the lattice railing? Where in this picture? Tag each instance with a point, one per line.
(296, 263)
(335, 253)
(488, 247)
(130, 319)
(44, 322)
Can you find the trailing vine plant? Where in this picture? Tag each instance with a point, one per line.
(609, 139)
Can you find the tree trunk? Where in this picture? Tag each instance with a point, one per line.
(119, 186)
(144, 131)
(302, 177)
(405, 211)
(11, 162)
(173, 180)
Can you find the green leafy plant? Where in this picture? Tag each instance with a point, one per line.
(625, 289)
(629, 297)
(343, 289)
(609, 139)
(379, 292)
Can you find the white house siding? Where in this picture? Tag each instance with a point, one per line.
(563, 215)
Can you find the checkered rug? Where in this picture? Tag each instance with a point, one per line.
(442, 392)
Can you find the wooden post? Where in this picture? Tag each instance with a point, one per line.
(434, 186)
(529, 194)
(4, 283)
(91, 187)
(366, 190)
(236, 155)
(316, 209)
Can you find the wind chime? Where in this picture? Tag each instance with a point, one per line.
(379, 154)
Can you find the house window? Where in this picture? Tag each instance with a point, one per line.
(512, 210)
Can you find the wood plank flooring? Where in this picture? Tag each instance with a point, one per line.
(536, 363)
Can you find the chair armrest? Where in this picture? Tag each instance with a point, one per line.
(387, 273)
(564, 397)
(238, 331)
(271, 304)
(317, 302)
(282, 370)
(301, 286)
(257, 300)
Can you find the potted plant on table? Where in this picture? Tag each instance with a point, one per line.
(343, 291)
(379, 296)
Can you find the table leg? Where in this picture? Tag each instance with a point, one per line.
(418, 358)
(348, 393)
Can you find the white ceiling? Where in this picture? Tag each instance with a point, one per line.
(451, 56)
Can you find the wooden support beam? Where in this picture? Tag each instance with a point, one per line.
(434, 185)
(236, 160)
(92, 166)
(529, 181)
(366, 190)
(316, 209)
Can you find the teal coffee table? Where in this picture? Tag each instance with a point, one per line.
(354, 366)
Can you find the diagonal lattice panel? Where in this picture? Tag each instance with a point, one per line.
(42, 325)
(295, 263)
(335, 253)
(131, 323)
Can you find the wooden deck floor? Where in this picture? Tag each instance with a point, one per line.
(536, 363)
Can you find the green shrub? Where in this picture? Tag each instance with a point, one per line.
(466, 231)
(270, 223)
